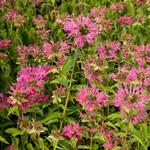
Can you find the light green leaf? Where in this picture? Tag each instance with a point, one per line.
(53, 117)
(3, 140)
(61, 81)
(67, 66)
(14, 131)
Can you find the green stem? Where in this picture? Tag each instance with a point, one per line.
(91, 142)
(69, 88)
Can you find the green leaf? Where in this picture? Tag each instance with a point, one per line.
(83, 147)
(53, 117)
(61, 81)
(140, 141)
(114, 116)
(3, 140)
(41, 143)
(14, 131)
(29, 146)
(53, 1)
(67, 66)
(14, 111)
(116, 148)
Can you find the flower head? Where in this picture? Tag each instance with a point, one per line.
(91, 98)
(82, 29)
(72, 130)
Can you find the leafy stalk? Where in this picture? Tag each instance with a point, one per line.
(69, 88)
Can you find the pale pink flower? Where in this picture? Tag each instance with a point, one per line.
(15, 17)
(109, 50)
(39, 21)
(57, 50)
(117, 6)
(94, 69)
(82, 29)
(98, 14)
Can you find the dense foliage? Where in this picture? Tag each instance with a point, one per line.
(74, 75)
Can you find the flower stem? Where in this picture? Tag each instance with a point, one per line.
(69, 88)
(91, 142)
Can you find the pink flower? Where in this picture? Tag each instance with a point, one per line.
(5, 43)
(94, 69)
(91, 98)
(25, 51)
(72, 130)
(15, 17)
(117, 6)
(131, 100)
(125, 20)
(56, 50)
(109, 140)
(29, 88)
(132, 75)
(109, 50)
(3, 101)
(82, 29)
(98, 14)
(39, 21)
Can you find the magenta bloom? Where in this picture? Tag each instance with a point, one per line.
(82, 29)
(91, 98)
(29, 88)
(72, 130)
(126, 20)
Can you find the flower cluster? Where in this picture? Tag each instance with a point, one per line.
(25, 52)
(109, 50)
(117, 6)
(56, 50)
(72, 130)
(29, 87)
(15, 17)
(94, 69)
(126, 20)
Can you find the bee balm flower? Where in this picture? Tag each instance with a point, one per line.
(82, 29)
